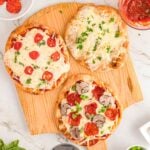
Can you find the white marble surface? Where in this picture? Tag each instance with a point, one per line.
(12, 122)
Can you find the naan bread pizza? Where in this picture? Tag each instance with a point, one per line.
(97, 37)
(36, 58)
(87, 111)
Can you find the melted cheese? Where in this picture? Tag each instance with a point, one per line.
(96, 36)
(107, 126)
(57, 68)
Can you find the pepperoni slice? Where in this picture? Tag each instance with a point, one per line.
(2, 2)
(38, 37)
(17, 45)
(28, 70)
(34, 55)
(91, 108)
(111, 113)
(73, 98)
(90, 129)
(51, 42)
(74, 119)
(13, 6)
(47, 76)
(55, 56)
(98, 92)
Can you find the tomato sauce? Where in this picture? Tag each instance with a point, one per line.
(136, 12)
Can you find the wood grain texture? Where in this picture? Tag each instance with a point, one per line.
(39, 109)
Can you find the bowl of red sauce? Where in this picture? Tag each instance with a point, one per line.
(136, 13)
(14, 9)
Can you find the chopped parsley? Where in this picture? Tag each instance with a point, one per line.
(49, 62)
(81, 130)
(26, 48)
(99, 58)
(102, 110)
(100, 27)
(108, 49)
(28, 81)
(41, 43)
(82, 38)
(93, 24)
(102, 132)
(41, 83)
(74, 116)
(89, 29)
(84, 97)
(103, 22)
(117, 33)
(20, 63)
(88, 21)
(93, 61)
(111, 20)
(35, 66)
(73, 88)
(16, 56)
(46, 67)
(78, 108)
(95, 46)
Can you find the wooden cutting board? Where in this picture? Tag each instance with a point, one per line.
(39, 110)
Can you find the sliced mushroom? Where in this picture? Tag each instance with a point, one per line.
(75, 132)
(106, 99)
(64, 108)
(82, 87)
(99, 120)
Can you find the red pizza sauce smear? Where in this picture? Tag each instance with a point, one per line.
(135, 11)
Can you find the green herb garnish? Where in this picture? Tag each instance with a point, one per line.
(117, 33)
(102, 110)
(102, 132)
(16, 56)
(35, 66)
(100, 27)
(26, 48)
(14, 145)
(73, 88)
(99, 58)
(84, 97)
(74, 116)
(95, 46)
(111, 20)
(78, 108)
(28, 81)
(89, 29)
(93, 61)
(103, 22)
(108, 49)
(80, 46)
(20, 63)
(41, 43)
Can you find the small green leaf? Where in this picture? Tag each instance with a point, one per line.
(108, 49)
(28, 81)
(100, 27)
(20, 63)
(78, 108)
(80, 46)
(102, 132)
(99, 58)
(103, 22)
(93, 61)
(89, 29)
(102, 110)
(84, 97)
(74, 116)
(35, 66)
(117, 33)
(111, 20)
(73, 88)
(41, 43)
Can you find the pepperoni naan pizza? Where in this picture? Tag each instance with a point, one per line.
(87, 111)
(36, 58)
